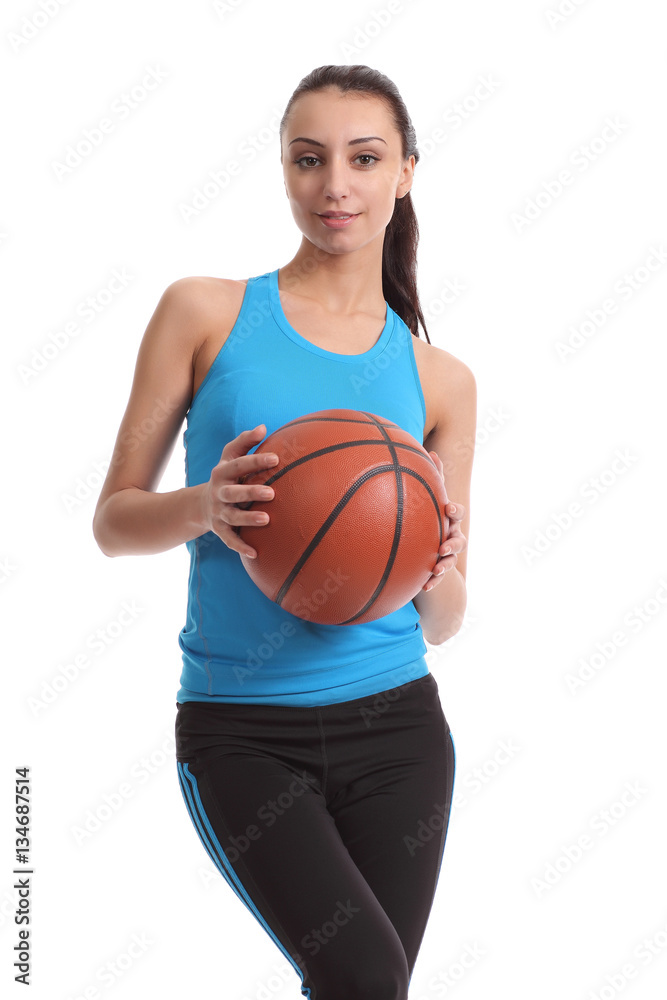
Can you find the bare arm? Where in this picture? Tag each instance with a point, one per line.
(130, 518)
(442, 609)
(136, 522)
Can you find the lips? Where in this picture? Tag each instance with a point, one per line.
(338, 221)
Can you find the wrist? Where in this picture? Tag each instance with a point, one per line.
(197, 514)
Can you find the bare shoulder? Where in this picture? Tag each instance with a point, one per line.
(449, 387)
(206, 288)
(206, 304)
(445, 366)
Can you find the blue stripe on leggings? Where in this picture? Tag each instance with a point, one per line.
(217, 855)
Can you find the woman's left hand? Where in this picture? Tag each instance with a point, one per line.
(455, 541)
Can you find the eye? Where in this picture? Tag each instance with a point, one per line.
(360, 156)
(368, 156)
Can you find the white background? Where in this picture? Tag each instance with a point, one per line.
(586, 428)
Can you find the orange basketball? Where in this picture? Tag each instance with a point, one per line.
(356, 521)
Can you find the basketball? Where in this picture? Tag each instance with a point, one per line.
(356, 521)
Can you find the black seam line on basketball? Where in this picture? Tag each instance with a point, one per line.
(327, 524)
(324, 527)
(391, 558)
(337, 420)
(323, 451)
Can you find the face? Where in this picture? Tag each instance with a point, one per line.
(326, 168)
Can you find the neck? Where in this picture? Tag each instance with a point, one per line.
(340, 283)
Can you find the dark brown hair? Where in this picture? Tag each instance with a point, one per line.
(399, 251)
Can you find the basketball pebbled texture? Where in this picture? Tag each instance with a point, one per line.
(356, 521)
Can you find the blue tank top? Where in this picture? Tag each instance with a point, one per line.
(238, 645)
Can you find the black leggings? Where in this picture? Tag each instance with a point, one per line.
(329, 823)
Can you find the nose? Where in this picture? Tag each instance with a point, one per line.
(336, 181)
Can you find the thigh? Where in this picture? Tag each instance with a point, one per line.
(393, 817)
(265, 825)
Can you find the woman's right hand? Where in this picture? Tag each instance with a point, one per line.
(223, 490)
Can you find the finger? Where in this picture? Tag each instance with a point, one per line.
(238, 516)
(242, 443)
(230, 535)
(238, 469)
(435, 578)
(233, 541)
(452, 546)
(231, 492)
(440, 571)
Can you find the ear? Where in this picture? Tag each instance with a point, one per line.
(407, 176)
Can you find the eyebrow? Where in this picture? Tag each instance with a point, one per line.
(352, 142)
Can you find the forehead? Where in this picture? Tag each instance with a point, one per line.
(326, 114)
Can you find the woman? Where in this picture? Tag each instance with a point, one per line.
(315, 761)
